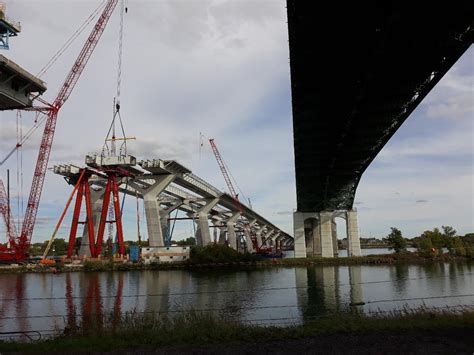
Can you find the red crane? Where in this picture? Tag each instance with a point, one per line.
(19, 244)
(231, 188)
(221, 164)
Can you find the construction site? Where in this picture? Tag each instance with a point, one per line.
(168, 192)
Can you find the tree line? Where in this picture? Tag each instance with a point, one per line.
(432, 242)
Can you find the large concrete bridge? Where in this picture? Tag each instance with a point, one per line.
(358, 70)
(166, 185)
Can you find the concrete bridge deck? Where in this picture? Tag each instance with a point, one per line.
(166, 185)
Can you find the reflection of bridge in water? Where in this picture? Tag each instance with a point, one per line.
(47, 302)
(328, 289)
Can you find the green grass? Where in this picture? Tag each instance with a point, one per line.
(134, 330)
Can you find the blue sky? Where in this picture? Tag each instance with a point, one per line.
(221, 68)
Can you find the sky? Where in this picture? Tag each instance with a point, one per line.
(194, 70)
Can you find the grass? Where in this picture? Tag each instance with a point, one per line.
(136, 330)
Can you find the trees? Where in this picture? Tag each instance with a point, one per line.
(396, 241)
(449, 234)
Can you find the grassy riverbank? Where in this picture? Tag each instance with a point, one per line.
(243, 261)
(138, 331)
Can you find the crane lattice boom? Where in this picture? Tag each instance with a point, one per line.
(23, 240)
(221, 163)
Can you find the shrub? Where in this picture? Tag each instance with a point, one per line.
(425, 248)
(219, 254)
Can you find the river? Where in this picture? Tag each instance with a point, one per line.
(47, 302)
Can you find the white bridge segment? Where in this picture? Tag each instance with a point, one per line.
(192, 193)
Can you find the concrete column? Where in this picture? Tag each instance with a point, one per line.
(353, 239)
(97, 199)
(222, 236)
(248, 236)
(231, 236)
(299, 235)
(275, 237)
(325, 222)
(259, 235)
(203, 235)
(335, 247)
(316, 238)
(268, 236)
(152, 209)
(165, 215)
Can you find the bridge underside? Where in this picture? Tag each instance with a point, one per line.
(358, 70)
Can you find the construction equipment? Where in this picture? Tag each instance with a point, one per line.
(234, 194)
(19, 244)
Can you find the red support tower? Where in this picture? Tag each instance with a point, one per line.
(95, 243)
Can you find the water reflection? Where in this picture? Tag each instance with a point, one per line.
(329, 289)
(47, 301)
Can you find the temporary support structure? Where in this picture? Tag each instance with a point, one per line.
(95, 244)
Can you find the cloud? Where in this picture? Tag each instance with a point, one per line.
(421, 201)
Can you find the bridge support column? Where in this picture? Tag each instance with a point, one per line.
(203, 235)
(248, 236)
(222, 236)
(335, 246)
(325, 222)
(267, 238)
(152, 209)
(259, 236)
(353, 234)
(307, 234)
(164, 219)
(97, 198)
(231, 236)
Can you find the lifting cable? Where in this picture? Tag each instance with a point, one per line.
(49, 64)
(71, 39)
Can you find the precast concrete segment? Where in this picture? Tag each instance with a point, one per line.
(353, 233)
(231, 236)
(325, 224)
(203, 234)
(97, 199)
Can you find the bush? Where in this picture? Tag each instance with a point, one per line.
(96, 266)
(219, 254)
(396, 241)
(425, 248)
(458, 247)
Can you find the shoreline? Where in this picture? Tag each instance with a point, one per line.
(107, 265)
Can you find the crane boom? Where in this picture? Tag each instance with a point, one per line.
(7, 216)
(23, 240)
(221, 164)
